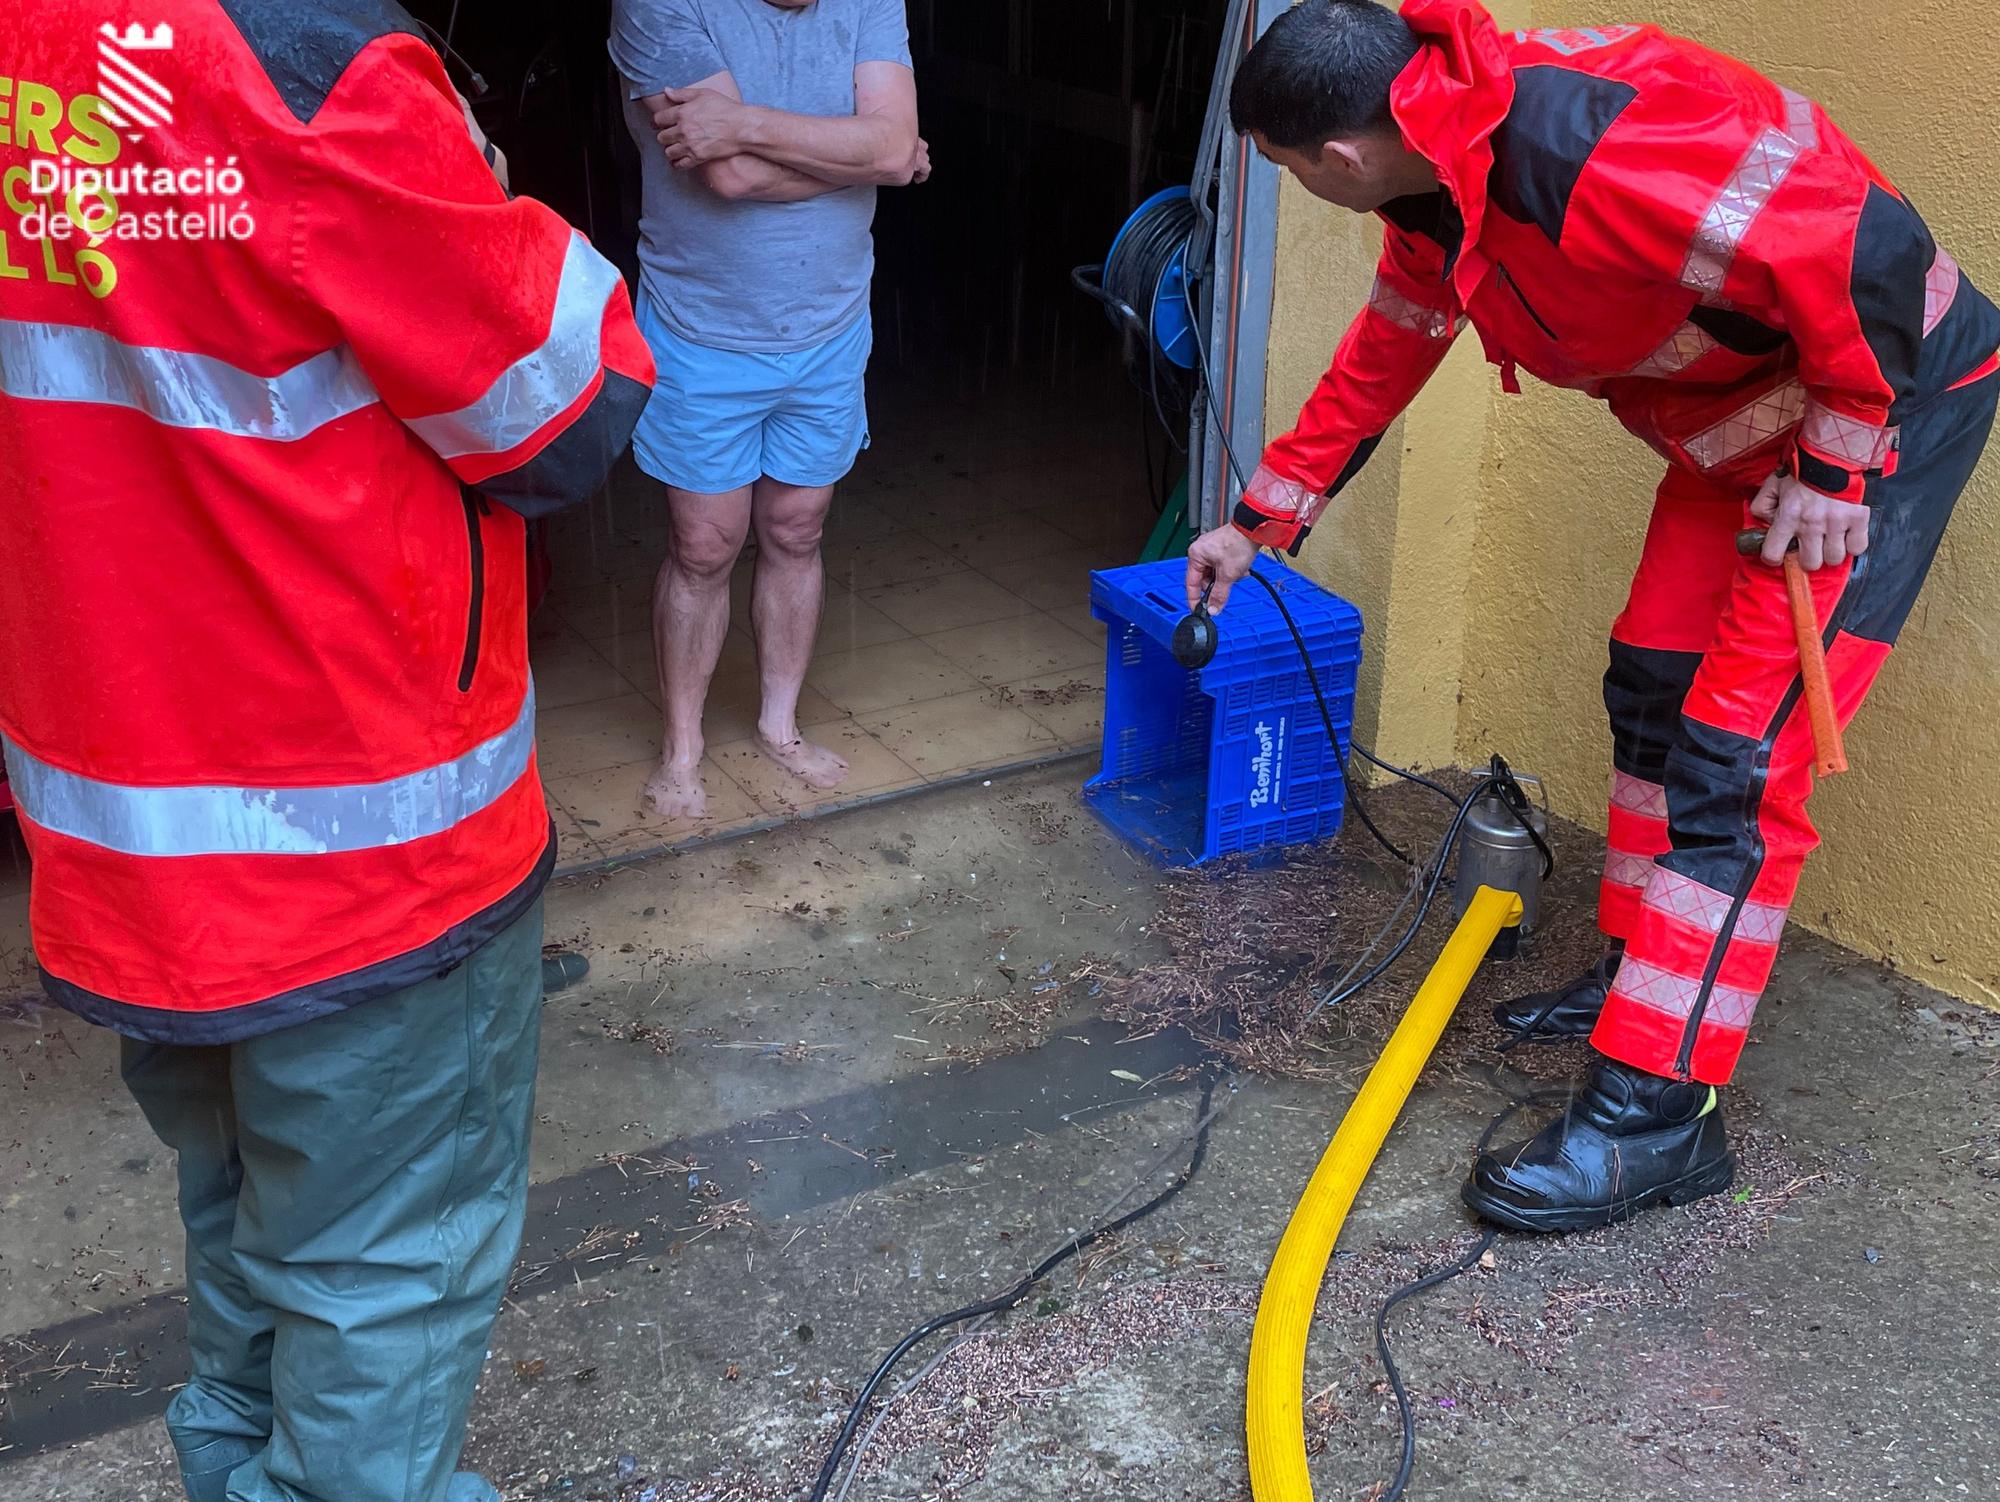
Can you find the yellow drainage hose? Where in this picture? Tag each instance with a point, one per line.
(1291, 1288)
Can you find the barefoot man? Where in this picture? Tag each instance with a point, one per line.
(764, 127)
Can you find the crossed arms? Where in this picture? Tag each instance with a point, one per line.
(745, 151)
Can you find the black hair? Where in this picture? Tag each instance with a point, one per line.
(1321, 73)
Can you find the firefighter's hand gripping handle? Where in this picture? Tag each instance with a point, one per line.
(1827, 742)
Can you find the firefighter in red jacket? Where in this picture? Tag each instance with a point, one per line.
(1626, 213)
(283, 372)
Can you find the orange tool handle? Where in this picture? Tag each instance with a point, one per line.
(1812, 668)
(1831, 750)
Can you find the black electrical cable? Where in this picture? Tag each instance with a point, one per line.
(1390, 1370)
(443, 40)
(1405, 1412)
(1368, 823)
(1014, 1295)
(1243, 485)
(1143, 254)
(1208, 380)
(1406, 774)
(1326, 717)
(1436, 879)
(1130, 284)
(1499, 779)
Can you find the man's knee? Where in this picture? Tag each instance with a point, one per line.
(705, 547)
(794, 525)
(794, 537)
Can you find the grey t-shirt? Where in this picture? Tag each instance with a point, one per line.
(768, 277)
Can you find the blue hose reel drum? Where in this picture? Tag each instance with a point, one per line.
(1144, 280)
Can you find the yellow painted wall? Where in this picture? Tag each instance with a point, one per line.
(1399, 541)
(1491, 544)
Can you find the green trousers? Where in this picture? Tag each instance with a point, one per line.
(353, 1190)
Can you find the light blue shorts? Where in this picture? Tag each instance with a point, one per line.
(720, 418)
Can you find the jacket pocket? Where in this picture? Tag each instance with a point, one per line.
(475, 610)
(1507, 279)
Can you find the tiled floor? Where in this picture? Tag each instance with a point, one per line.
(957, 635)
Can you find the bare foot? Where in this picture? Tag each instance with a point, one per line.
(675, 791)
(814, 765)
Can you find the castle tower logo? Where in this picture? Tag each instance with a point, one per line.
(134, 99)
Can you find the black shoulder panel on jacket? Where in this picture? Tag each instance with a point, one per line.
(1893, 252)
(1558, 117)
(1428, 216)
(1736, 330)
(578, 461)
(306, 47)
(1418, 214)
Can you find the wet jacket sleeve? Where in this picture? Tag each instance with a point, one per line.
(1390, 350)
(1797, 230)
(489, 326)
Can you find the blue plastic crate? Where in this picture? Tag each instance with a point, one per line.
(1233, 757)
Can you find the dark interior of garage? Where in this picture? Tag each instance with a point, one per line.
(1013, 449)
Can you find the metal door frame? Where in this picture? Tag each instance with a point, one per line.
(1236, 248)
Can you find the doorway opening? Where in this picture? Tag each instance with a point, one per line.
(1011, 451)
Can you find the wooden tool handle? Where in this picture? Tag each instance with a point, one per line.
(1827, 741)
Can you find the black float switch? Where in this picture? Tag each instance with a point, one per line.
(1195, 638)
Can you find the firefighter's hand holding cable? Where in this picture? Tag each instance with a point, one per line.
(1828, 531)
(1276, 511)
(1216, 561)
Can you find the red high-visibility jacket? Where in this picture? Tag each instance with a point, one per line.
(1645, 220)
(270, 425)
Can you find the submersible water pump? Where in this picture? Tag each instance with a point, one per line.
(1505, 844)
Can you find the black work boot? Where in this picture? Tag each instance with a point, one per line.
(1569, 1011)
(1628, 1140)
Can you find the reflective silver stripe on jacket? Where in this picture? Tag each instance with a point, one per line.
(1856, 444)
(1750, 426)
(1768, 162)
(273, 821)
(59, 362)
(1940, 290)
(543, 383)
(1407, 313)
(1570, 40)
(1684, 346)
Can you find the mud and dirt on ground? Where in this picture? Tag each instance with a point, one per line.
(860, 1071)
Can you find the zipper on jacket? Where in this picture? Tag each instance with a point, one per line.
(475, 611)
(1521, 297)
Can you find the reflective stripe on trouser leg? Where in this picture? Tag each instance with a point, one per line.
(222, 1417)
(385, 1179)
(1637, 835)
(1664, 975)
(1738, 780)
(1697, 964)
(1669, 618)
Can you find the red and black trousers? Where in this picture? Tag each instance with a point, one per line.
(1712, 746)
